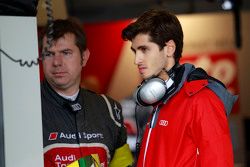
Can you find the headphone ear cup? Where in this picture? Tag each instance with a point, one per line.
(151, 92)
(137, 97)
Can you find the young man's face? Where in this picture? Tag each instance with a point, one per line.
(63, 64)
(148, 56)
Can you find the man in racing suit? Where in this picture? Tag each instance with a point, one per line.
(188, 127)
(80, 127)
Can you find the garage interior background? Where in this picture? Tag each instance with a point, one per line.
(214, 38)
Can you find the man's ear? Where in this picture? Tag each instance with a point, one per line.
(85, 57)
(170, 48)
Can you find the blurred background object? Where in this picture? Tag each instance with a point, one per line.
(18, 7)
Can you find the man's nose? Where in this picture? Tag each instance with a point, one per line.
(57, 60)
(138, 58)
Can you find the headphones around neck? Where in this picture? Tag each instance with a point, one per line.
(150, 91)
(154, 89)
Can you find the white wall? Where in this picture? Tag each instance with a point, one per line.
(21, 104)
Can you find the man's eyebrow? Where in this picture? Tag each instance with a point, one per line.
(47, 51)
(132, 49)
(66, 50)
(142, 47)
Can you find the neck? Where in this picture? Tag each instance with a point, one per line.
(171, 70)
(163, 75)
(71, 97)
(67, 92)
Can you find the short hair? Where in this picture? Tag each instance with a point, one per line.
(161, 26)
(63, 26)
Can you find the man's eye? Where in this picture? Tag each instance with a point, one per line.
(143, 49)
(47, 54)
(67, 53)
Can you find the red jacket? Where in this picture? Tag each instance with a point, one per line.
(191, 130)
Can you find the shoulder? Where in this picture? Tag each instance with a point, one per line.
(106, 104)
(96, 97)
(114, 109)
(193, 87)
(203, 100)
(202, 97)
(199, 90)
(46, 91)
(42, 86)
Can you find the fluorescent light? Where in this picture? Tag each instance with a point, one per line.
(227, 5)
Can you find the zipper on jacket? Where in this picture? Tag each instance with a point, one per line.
(151, 126)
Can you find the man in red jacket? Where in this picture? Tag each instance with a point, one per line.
(189, 126)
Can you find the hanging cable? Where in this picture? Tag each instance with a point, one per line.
(50, 23)
(20, 61)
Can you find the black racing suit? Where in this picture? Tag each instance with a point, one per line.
(87, 126)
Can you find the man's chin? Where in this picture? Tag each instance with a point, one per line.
(145, 77)
(59, 83)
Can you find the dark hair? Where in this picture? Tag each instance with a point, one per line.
(161, 26)
(64, 26)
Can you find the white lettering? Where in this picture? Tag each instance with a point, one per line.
(58, 158)
(163, 123)
(71, 157)
(59, 164)
(65, 158)
(89, 136)
(68, 136)
(84, 135)
(76, 107)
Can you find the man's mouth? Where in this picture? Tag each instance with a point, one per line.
(59, 74)
(141, 70)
